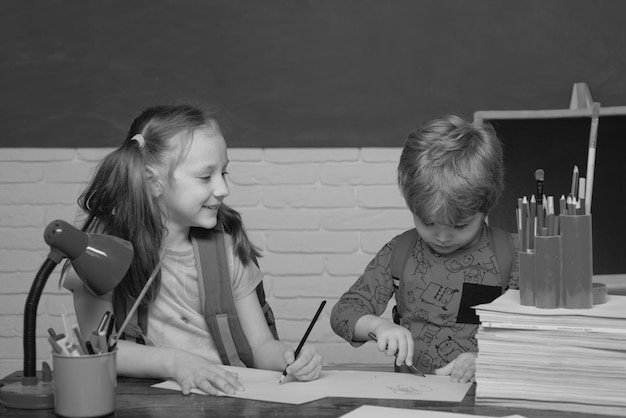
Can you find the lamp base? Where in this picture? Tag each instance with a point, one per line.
(19, 396)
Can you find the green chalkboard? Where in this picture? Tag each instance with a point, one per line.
(296, 73)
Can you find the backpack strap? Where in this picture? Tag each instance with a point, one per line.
(400, 254)
(504, 251)
(219, 305)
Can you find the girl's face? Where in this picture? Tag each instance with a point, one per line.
(446, 239)
(198, 185)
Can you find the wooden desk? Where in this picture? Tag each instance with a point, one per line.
(135, 398)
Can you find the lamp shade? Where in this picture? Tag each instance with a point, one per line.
(101, 261)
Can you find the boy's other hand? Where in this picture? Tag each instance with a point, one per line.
(461, 370)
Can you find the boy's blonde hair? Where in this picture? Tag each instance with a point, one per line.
(450, 169)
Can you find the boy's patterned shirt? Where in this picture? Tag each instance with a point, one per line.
(437, 293)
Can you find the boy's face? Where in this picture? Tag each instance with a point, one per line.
(446, 239)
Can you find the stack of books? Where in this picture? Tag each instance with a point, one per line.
(552, 359)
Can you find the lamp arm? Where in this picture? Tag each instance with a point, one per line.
(30, 321)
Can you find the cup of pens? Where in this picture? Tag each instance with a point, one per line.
(85, 371)
(84, 386)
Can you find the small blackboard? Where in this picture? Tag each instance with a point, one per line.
(556, 140)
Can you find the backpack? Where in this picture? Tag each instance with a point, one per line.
(499, 243)
(219, 306)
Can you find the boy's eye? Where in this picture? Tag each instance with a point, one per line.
(460, 226)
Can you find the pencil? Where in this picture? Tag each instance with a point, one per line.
(591, 156)
(412, 367)
(304, 337)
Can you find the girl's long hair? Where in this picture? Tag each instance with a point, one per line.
(118, 201)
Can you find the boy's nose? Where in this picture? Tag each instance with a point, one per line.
(443, 236)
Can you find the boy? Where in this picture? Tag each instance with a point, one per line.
(450, 174)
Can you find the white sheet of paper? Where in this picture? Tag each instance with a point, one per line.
(369, 411)
(263, 385)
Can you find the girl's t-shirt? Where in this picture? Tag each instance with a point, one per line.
(175, 318)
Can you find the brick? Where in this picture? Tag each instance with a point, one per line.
(69, 172)
(323, 286)
(22, 239)
(290, 264)
(38, 194)
(380, 197)
(312, 242)
(367, 219)
(303, 155)
(245, 154)
(20, 172)
(308, 197)
(268, 174)
(21, 216)
(13, 283)
(37, 154)
(358, 174)
(21, 260)
(243, 196)
(377, 155)
(373, 241)
(93, 155)
(259, 219)
(346, 265)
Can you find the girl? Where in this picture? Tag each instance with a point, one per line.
(167, 179)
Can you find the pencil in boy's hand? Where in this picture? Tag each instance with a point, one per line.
(306, 335)
(412, 367)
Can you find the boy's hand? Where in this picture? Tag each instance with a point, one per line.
(308, 364)
(395, 340)
(461, 370)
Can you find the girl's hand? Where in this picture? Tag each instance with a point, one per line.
(195, 372)
(308, 364)
(461, 370)
(395, 340)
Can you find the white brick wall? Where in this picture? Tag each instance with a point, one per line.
(319, 215)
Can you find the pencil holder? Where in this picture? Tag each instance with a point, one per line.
(548, 271)
(577, 261)
(84, 386)
(527, 278)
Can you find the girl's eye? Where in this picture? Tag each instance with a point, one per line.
(460, 226)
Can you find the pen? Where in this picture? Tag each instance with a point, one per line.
(412, 367)
(306, 335)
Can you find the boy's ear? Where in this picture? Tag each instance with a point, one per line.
(154, 181)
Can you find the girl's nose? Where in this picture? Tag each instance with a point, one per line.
(221, 188)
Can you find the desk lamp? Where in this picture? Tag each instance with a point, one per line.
(101, 261)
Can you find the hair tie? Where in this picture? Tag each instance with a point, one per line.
(140, 140)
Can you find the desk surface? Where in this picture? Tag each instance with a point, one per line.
(135, 398)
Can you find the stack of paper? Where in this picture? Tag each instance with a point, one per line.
(552, 359)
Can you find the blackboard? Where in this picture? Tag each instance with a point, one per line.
(296, 73)
(538, 139)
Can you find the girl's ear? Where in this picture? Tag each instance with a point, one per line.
(154, 181)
